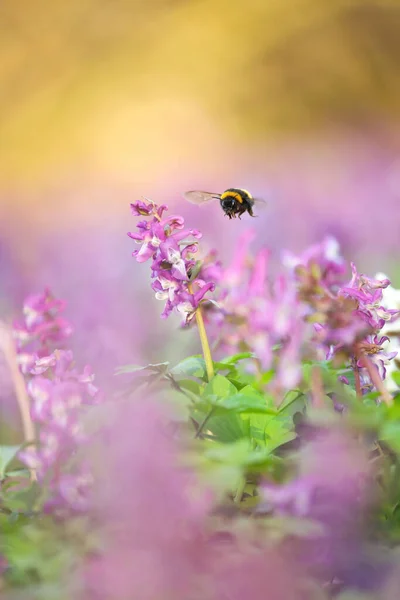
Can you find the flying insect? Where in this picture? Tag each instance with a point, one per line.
(234, 201)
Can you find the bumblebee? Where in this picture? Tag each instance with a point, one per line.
(234, 201)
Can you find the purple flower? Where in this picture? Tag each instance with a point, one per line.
(292, 498)
(41, 329)
(140, 208)
(368, 294)
(172, 251)
(58, 392)
(391, 331)
(330, 489)
(257, 313)
(57, 399)
(322, 263)
(237, 270)
(211, 268)
(345, 315)
(256, 573)
(187, 302)
(373, 346)
(154, 513)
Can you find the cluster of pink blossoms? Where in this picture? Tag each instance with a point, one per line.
(348, 316)
(164, 241)
(311, 310)
(255, 314)
(58, 393)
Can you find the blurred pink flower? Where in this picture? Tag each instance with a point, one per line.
(257, 575)
(255, 312)
(333, 463)
(58, 393)
(331, 489)
(324, 261)
(41, 329)
(154, 515)
(369, 295)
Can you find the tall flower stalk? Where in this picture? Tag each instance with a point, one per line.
(174, 268)
(7, 347)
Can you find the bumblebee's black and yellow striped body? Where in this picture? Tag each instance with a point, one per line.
(234, 201)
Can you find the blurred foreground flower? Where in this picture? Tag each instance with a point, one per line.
(154, 520)
(332, 488)
(159, 537)
(58, 393)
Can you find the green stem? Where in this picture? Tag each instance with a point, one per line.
(357, 382)
(204, 340)
(204, 422)
(239, 493)
(204, 344)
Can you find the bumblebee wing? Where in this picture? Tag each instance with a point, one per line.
(200, 197)
(260, 203)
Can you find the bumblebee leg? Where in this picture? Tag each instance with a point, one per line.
(242, 210)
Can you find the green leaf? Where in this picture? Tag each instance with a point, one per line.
(237, 357)
(23, 500)
(257, 427)
(219, 387)
(7, 454)
(396, 377)
(243, 403)
(248, 400)
(279, 431)
(220, 366)
(390, 433)
(272, 431)
(157, 368)
(295, 401)
(239, 454)
(190, 385)
(192, 366)
(266, 377)
(239, 384)
(227, 428)
(229, 454)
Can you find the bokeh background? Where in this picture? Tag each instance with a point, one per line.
(102, 102)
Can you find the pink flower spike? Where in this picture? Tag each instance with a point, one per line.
(234, 273)
(257, 284)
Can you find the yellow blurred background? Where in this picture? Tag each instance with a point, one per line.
(128, 90)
